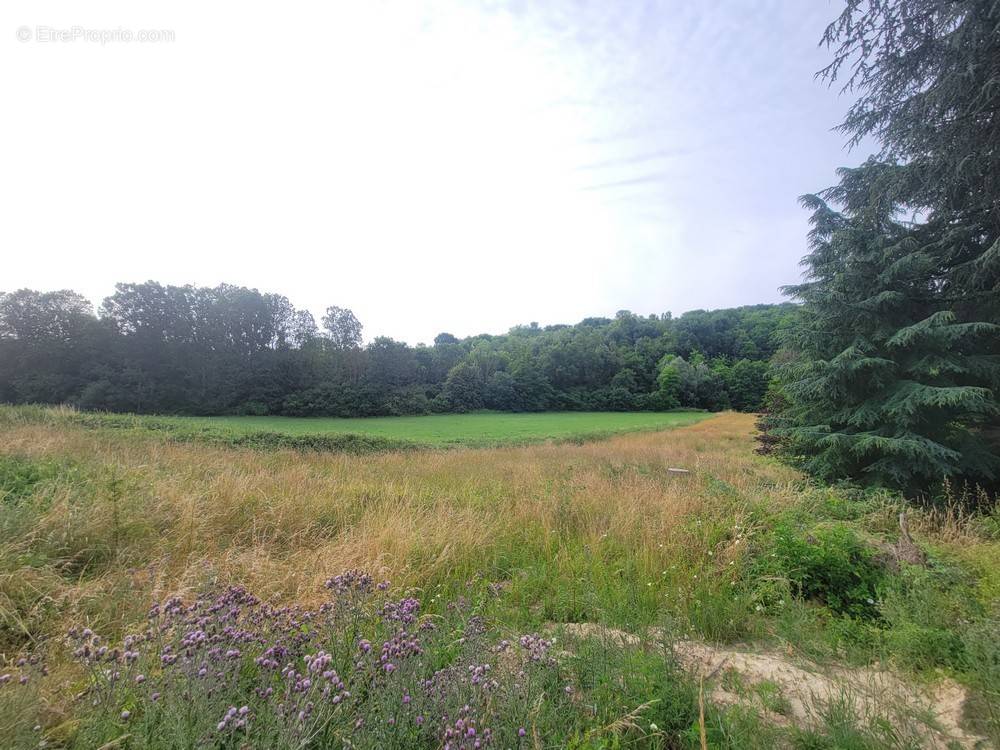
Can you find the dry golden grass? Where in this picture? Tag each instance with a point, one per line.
(158, 517)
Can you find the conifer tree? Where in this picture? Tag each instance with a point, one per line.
(897, 371)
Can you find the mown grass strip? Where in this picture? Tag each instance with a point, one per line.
(366, 436)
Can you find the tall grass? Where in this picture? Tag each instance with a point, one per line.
(596, 531)
(97, 524)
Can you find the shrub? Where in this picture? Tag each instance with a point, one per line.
(830, 564)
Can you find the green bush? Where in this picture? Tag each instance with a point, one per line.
(830, 565)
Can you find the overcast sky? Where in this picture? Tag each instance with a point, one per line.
(437, 166)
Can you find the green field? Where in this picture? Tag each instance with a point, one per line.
(481, 428)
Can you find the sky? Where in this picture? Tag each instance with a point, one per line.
(434, 166)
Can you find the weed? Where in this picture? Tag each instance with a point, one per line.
(19, 476)
(828, 564)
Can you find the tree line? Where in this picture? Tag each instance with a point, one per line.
(153, 348)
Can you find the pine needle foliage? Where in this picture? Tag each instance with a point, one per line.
(897, 367)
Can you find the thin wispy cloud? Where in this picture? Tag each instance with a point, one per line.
(649, 178)
(637, 159)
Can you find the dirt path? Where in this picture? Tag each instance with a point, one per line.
(790, 691)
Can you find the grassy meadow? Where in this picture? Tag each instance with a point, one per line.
(374, 434)
(546, 541)
(475, 429)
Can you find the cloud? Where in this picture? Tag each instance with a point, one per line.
(431, 165)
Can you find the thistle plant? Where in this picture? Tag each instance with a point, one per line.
(364, 669)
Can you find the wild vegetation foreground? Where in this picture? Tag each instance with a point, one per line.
(511, 573)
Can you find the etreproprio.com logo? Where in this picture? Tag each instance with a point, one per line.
(71, 34)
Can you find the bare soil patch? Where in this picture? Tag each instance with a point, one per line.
(803, 691)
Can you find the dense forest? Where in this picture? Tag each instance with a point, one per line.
(232, 350)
